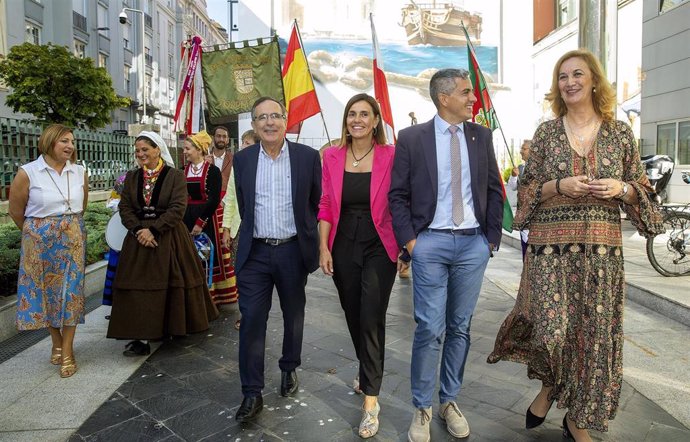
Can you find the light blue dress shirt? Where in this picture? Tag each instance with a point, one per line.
(443, 218)
(273, 213)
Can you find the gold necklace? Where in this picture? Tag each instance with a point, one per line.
(355, 163)
(580, 143)
(66, 200)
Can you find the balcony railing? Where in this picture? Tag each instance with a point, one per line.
(149, 60)
(79, 21)
(148, 21)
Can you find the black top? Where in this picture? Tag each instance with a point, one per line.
(355, 215)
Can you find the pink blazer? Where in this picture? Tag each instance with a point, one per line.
(332, 193)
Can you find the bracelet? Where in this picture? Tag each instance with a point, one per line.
(558, 186)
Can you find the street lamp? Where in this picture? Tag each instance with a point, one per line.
(123, 20)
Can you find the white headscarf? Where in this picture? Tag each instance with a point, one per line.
(158, 141)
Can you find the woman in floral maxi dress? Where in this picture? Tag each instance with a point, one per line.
(567, 321)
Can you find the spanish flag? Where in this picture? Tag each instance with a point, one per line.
(300, 95)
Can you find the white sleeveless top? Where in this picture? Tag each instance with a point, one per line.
(44, 197)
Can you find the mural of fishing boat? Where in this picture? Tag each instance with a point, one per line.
(439, 24)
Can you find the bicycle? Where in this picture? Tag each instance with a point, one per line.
(669, 252)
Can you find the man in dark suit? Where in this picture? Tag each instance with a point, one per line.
(447, 205)
(278, 186)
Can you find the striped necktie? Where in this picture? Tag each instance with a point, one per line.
(456, 176)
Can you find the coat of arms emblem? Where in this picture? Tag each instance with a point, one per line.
(244, 79)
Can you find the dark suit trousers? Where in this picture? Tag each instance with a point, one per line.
(268, 267)
(364, 276)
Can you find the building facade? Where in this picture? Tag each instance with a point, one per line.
(666, 87)
(92, 28)
(649, 66)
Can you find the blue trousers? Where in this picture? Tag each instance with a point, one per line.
(268, 267)
(447, 272)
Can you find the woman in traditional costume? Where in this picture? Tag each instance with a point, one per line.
(159, 288)
(204, 185)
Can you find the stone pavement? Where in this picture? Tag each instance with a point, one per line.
(189, 388)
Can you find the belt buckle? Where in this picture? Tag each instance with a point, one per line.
(272, 241)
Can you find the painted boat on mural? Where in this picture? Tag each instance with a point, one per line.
(440, 24)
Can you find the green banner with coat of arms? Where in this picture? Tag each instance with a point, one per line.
(235, 77)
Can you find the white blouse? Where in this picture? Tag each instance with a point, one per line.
(53, 197)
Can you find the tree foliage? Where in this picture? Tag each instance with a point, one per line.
(49, 82)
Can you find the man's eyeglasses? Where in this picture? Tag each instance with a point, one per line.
(266, 117)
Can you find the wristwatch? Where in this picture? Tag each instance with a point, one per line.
(624, 190)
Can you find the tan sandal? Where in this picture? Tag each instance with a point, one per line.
(370, 422)
(56, 355)
(68, 366)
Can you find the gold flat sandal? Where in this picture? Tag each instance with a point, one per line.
(68, 366)
(55, 355)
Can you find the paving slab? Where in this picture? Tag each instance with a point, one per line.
(188, 389)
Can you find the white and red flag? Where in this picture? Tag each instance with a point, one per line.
(381, 86)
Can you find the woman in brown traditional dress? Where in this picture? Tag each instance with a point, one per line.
(159, 288)
(204, 182)
(567, 321)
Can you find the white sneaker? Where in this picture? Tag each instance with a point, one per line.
(419, 428)
(455, 422)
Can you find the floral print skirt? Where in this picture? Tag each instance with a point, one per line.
(50, 290)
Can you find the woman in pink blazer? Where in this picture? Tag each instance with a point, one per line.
(357, 245)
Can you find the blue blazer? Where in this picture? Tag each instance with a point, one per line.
(414, 181)
(305, 173)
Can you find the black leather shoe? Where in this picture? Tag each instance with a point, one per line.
(532, 420)
(288, 383)
(137, 348)
(250, 408)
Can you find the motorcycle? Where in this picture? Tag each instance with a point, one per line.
(659, 169)
(668, 252)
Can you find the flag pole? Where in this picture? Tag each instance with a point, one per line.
(299, 37)
(503, 135)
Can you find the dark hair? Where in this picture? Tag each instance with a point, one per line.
(147, 139)
(262, 99)
(221, 127)
(603, 100)
(50, 136)
(443, 82)
(379, 131)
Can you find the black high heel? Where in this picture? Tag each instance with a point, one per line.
(532, 420)
(566, 431)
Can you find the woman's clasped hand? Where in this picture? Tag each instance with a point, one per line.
(580, 186)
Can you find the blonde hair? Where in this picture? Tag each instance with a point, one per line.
(50, 136)
(603, 95)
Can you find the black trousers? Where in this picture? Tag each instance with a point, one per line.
(364, 276)
(267, 267)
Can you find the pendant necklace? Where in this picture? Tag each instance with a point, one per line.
(197, 170)
(581, 143)
(67, 200)
(356, 161)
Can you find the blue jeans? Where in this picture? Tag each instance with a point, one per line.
(447, 273)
